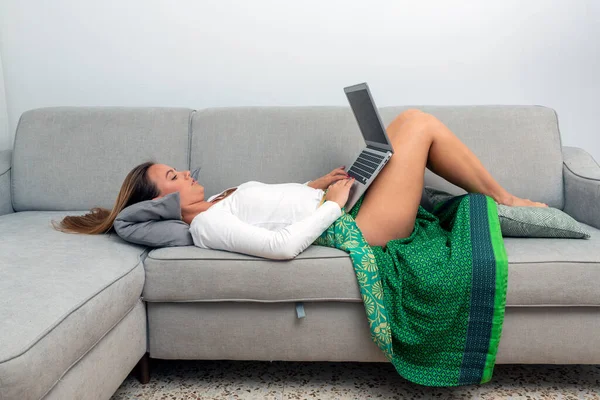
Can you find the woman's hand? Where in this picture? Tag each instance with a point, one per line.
(325, 181)
(339, 191)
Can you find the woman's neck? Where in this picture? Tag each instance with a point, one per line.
(224, 195)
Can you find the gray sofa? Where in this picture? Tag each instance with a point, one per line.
(78, 311)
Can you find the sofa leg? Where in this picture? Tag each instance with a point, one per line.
(142, 369)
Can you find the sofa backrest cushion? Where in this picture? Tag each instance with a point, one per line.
(271, 144)
(76, 158)
(519, 145)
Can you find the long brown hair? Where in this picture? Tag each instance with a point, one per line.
(136, 187)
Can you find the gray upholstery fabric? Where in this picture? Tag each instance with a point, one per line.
(519, 145)
(5, 197)
(61, 293)
(98, 375)
(5, 160)
(271, 144)
(550, 335)
(553, 272)
(540, 222)
(155, 223)
(78, 157)
(582, 186)
(541, 272)
(239, 144)
(332, 331)
(196, 274)
(336, 331)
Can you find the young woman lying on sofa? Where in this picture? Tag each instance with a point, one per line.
(265, 219)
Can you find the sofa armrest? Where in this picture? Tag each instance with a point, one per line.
(5, 195)
(582, 186)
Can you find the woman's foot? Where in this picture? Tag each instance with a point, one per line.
(514, 201)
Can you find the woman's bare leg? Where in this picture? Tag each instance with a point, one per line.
(452, 160)
(420, 140)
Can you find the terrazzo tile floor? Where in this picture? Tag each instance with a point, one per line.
(174, 380)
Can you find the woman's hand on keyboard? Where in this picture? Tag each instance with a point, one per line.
(339, 191)
(325, 181)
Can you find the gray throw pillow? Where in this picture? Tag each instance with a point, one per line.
(155, 223)
(540, 222)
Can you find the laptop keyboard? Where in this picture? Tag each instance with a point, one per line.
(365, 166)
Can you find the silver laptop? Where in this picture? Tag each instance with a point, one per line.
(379, 149)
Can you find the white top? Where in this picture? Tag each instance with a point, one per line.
(276, 221)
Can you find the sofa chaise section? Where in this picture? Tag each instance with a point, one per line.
(61, 296)
(74, 324)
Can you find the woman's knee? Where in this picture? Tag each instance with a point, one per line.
(411, 113)
(413, 120)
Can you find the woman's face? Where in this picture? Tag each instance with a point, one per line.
(169, 180)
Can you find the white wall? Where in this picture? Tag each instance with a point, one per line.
(199, 53)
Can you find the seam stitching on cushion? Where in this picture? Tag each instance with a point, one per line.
(189, 144)
(9, 189)
(90, 349)
(236, 259)
(557, 129)
(9, 151)
(291, 300)
(62, 318)
(359, 301)
(12, 164)
(581, 176)
(562, 159)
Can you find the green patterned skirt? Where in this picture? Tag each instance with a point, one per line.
(435, 301)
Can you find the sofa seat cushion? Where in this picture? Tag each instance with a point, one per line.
(541, 272)
(191, 273)
(545, 271)
(60, 294)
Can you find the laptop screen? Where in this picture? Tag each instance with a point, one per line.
(366, 116)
